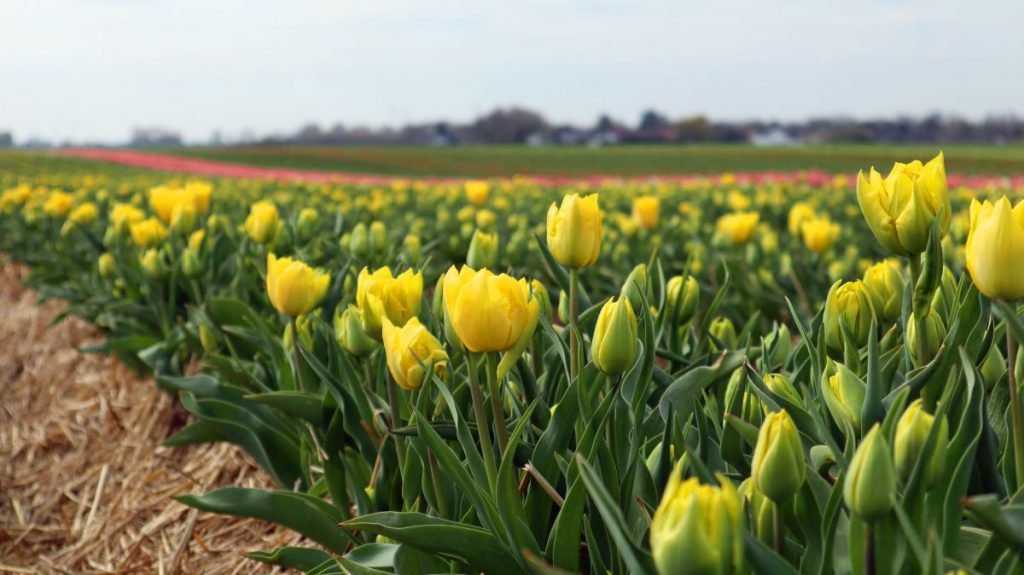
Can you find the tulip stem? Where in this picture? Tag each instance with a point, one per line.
(482, 425)
(1015, 415)
(494, 388)
(435, 477)
(870, 566)
(778, 533)
(921, 324)
(297, 355)
(394, 404)
(574, 343)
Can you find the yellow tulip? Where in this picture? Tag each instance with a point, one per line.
(646, 210)
(124, 215)
(995, 248)
(798, 214)
(739, 227)
(84, 214)
(411, 352)
(614, 345)
(261, 224)
(778, 466)
(195, 241)
(107, 265)
(489, 312)
(294, 287)
(574, 230)
(58, 204)
(166, 201)
(819, 234)
(885, 284)
(850, 301)
(148, 233)
(698, 528)
(477, 191)
(381, 295)
(900, 208)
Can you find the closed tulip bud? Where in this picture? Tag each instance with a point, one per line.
(682, 307)
(901, 208)
(196, 240)
(563, 307)
(294, 287)
(779, 385)
(359, 243)
(412, 251)
(935, 332)
(261, 224)
(153, 264)
(485, 220)
(739, 401)
(945, 295)
(844, 394)
(784, 347)
(646, 210)
(381, 295)
(574, 231)
(614, 345)
(870, 480)
(305, 324)
(995, 248)
(885, 285)
(413, 353)
(541, 294)
(761, 511)
(348, 330)
(722, 329)
(107, 265)
(911, 434)
(378, 238)
(851, 302)
(698, 529)
(483, 250)
(489, 312)
(307, 223)
(148, 233)
(738, 227)
(778, 466)
(634, 286)
(209, 339)
(84, 214)
(819, 234)
(477, 191)
(191, 263)
(437, 299)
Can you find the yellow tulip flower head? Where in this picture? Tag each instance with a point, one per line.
(261, 224)
(912, 431)
(885, 284)
(167, 201)
(900, 208)
(294, 287)
(646, 210)
(477, 191)
(412, 352)
(819, 234)
(995, 248)
(698, 528)
(382, 295)
(574, 230)
(738, 227)
(148, 233)
(614, 345)
(850, 302)
(798, 214)
(58, 204)
(489, 312)
(84, 214)
(122, 216)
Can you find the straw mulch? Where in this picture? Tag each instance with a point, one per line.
(85, 486)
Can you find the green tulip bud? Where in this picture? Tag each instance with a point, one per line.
(911, 434)
(785, 344)
(761, 511)
(437, 300)
(349, 331)
(378, 239)
(191, 263)
(885, 285)
(305, 324)
(634, 286)
(778, 466)
(107, 265)
(945, 295)
(541, 293)
(682, 307)
(563, 307)
(698, 529)
(740, 402)
(209, 339)
(844, 394)
(851, 302)
(780, 386)
(483, 250)
(153, 264)
(614, 346)
(870, 480)
(412, 250)
(307, 224)
(723, 330)
(359, 242)
(935, 330)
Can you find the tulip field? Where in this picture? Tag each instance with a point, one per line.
(784, 373)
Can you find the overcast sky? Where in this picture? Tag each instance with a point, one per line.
(93, 69)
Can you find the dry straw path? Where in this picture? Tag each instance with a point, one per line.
(85, 486)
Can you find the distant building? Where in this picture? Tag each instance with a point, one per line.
(143, 137)
(773, 137)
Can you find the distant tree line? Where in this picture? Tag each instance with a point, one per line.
(520, 126)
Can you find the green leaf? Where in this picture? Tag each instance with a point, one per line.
(298, 404)
(302, 558)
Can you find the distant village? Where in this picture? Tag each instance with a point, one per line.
(520, 126)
